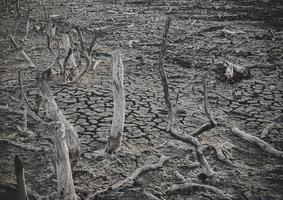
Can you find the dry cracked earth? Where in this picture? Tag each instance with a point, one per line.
(247, 33)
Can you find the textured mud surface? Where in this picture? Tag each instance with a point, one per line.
(242, 32)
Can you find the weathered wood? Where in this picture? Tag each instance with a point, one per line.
(176, 189)
(171, 112)
(55, 114)
(65, 185)
(115, 138)
(20, 178)
(72, 60)
(255, 140)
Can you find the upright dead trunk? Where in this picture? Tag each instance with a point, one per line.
(65, 185)
(115, 138)
(20, 177)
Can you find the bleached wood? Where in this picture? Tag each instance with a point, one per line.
(255, 140)
(115, 138)
(65, 185)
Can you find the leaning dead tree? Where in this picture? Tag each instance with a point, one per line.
(20, 178)
(115, 138)
(173, 126)
(65, 185)
(54, 113)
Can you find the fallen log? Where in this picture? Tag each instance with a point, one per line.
(255, 140)
(115, 138)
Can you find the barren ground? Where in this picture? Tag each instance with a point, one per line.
(242, 32)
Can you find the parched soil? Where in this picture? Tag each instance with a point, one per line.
(202, 35)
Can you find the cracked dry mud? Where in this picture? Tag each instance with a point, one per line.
(197, 32)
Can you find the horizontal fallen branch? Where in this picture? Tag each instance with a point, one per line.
(255, 140)
(192, 186)
(130, 179)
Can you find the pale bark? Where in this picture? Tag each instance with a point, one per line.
(255, 140)
(65, 185)
(115, 138)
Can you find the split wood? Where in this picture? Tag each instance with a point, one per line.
(20, 178)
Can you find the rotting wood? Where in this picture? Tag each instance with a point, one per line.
(255, 140)
(55, 114)
(131, 178)
(65, 185)
(176, 189)
(114, 140)
(20, 178)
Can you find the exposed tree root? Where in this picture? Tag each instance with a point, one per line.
(130, 179)
(255, 140)
(176, 189)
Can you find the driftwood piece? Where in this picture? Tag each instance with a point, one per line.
(20, 178)
(118, 119)
(176, 189)
(131, 178)
(255, 140)
(54, 113)
(65, 185)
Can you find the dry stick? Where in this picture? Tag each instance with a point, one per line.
(266, 130)
(65, 184)
(115, 138)
(130, 179)
(175, 189)
(25, 124)
(22, 52)
(255, 140)
(193, 141)
(171, 112)
(212, 123)
(18, 17)
(20, 177)
(173, 130)
(55, 114)
(89, 63)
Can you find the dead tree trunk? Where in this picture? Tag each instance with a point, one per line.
(171, 112)
(54, 113)
(115, 138)
(65, 185)
(20, 176)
